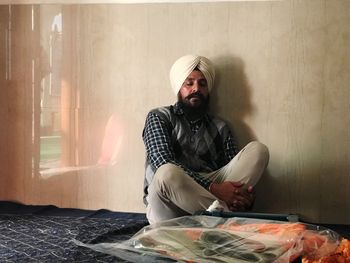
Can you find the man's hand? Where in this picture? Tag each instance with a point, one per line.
(234, 195)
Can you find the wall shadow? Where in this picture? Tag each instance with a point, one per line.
(231, 100)
(231, 97)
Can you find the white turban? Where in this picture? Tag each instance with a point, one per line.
(185, 65)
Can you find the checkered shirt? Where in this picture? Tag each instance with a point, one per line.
(203, 146)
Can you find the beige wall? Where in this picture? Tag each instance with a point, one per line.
(283, 78)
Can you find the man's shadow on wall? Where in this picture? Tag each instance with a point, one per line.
(231, 100)
(231, 97)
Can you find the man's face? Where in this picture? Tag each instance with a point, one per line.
(194, 91)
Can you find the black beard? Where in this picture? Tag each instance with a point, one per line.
(194, 112)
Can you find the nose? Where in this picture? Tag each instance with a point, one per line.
(195, 87)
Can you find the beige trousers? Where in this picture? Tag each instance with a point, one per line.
(174, 193)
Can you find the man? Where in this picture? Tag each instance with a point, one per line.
(191, 156)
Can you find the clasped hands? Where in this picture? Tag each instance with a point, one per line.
(234, 194)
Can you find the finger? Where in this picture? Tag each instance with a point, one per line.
(249, 201)
(231, 207)
(242, 201)
(234, 208)
(237, 184)
(248, 194)
(237, 204)
(250, 189)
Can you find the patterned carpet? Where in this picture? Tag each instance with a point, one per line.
(47, 233)
(46, 238)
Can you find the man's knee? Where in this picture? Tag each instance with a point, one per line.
(169, 175)
(260, 151)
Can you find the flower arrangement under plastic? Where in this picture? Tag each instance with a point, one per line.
(216, 239)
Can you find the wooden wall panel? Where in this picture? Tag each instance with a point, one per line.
(18, 87)
(282, 78)
(3, 101)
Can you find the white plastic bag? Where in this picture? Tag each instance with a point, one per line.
(216, 239)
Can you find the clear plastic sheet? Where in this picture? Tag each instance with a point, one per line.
(216, 239)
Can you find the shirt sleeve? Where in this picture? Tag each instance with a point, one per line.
(159, 148)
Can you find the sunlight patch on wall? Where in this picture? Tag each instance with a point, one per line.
(71, 137)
